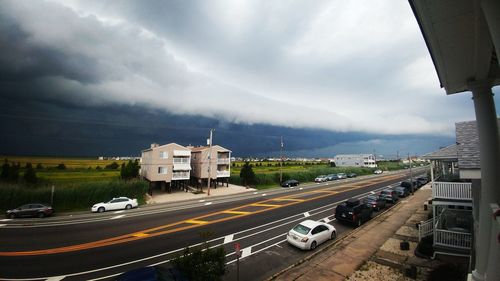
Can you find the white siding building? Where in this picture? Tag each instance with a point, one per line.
(355, 160)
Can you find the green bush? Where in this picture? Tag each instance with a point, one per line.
(68, 197)
(202, 264)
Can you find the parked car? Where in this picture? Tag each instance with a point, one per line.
(332, 177)
(30, 210)
(342, 175)
(119, 203)
(352, 175)
(408, 184)
(309, 234)
(377, 172)
(290, 183)
(389, 195)
(320, 178)
(353, 211)
(375, 201)
(423, 180)
(402, 191)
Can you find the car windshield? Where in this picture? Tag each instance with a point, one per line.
(301, 229)
(372, 197)
(399, 188)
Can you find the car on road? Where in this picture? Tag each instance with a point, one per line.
(389, 195)
(119, 203)
(402, 191)
(320, 178)
(332, 177)
(377, 172)
(342, 176)
(423, 180)
(290, 183)
(353, 211)
(30, 210)
(352, 175)
(308, 234)
(375, 201)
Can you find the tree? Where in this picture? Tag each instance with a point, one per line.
(130, 171)
(30, 174)
(332, 164)
(61, 166)
(14, 172)
(112, 166)
(5, 170)
(39, 166)
(247, 174)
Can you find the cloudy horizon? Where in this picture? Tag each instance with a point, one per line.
(359, 69)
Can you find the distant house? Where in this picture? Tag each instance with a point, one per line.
(216, 159)
(166, 166)
(355, 160)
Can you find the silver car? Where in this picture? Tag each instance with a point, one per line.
(308, 234)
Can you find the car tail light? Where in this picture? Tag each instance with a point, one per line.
(353, 217)
(305, 239)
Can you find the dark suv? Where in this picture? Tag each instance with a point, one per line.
(353, 211)
(389, 195)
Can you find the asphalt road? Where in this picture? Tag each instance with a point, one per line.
(101, 246)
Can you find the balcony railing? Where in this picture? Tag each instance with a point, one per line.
(180, 175)
(182, 160)
(452, 190)
(182, 153)
(222, 161)
(222, 174)
(425, 229)
(452, 239)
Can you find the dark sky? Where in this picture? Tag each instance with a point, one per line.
(91, 78)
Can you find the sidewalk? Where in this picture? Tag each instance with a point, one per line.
(180, 195)
(371, 252)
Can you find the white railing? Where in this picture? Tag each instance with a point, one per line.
(222, 161)
(182, 153)
(223, 174)
(425, 229)
(452, 190)
(182, 160)
(180, 175)
(452, 239)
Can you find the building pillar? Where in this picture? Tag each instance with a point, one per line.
(491, 11)
(432, 171)
(489, 147)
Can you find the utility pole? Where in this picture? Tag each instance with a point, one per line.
(281, 160)
(209, 161)
(411, 174)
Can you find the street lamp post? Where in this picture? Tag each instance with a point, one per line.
(209, 161)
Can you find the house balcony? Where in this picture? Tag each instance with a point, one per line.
(180, 175)
(185, 153)
(223, 161)
(452, 191)
(223, 174)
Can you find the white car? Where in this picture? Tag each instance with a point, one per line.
(308, 234)
(377, 172)
(321, 178)
(119, 203)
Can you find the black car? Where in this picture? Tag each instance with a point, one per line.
(389, 195)
(30, 210)
(352, 175)
(408, 184)
(353, 211)
(290, 183)
(375, 201)
(402, 191)
(422, 180)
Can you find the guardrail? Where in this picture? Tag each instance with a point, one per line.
(452, 190)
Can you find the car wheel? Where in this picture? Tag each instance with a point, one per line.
(334, 235)
(128, 207)
(100, 210)
(359, 222)
(12, 216)
(41, 215)
(313, 245)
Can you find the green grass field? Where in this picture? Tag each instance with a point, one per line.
(52, 162)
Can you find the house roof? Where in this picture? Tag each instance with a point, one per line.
(164, 146)
(459, 40)
(468, 144)
(446, 153)
(218, 148)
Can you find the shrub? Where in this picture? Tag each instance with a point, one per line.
(61, 166)
(30, 174)
(202, 264)
(112, 166)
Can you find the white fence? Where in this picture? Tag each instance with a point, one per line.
(452, 239)
(452, 190)
(223, 173)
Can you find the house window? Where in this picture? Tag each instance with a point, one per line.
(162, 170)
(163, 154)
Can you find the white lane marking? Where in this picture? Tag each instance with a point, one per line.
(2, 225)
(326, 220)
(300, 188)
(255, 193)
(56, 278)
(208, 203)
(118, 212)
(117, 217)
(264, 194)
(306, 214)
(202, 200)
(5, 219)
(246, 252)
(228, 238)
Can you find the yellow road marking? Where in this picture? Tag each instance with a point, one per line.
(326, 191)
(236, 212)
(288, 199)
(196, 222)
(140, 235)
(265, 205)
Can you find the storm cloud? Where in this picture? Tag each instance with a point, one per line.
(358, 69)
